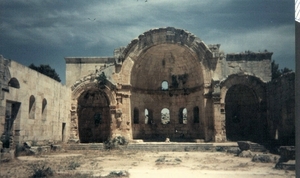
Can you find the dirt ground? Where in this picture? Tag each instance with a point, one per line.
(135, 164)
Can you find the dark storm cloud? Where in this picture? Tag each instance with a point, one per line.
(39, 32)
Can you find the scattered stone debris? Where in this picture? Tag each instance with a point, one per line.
(220, 148)
(234, 150)
(247, 145)
(287, 153)
(287, 157)
(246, 154)
(117, 174)
(265, 158)
(27, 145)
(163, 160)
(55, 147)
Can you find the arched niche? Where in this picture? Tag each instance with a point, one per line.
(97, 105)
(244, 110)
(13, 82)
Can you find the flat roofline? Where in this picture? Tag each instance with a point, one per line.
(77, 60)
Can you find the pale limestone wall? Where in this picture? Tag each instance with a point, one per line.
(77, 68)
(46, 126)
(256, 64)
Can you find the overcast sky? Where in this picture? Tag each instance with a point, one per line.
(46, 31)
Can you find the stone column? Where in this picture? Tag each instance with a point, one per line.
(218, 114)
(121, 117)
(74, 137)
(219, 120)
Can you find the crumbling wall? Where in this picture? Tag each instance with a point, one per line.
(79, 67)
(281, 106)
(256, 64)
(39, 107)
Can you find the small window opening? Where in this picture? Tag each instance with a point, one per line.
(165, 116)
(135, 116)
(13, 82)
(196, 115)
(31, 107)
(146, 116)
(182, 116)
(44, 109)
(164, 85)
(149, 116)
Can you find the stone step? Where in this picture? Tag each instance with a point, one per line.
(157, 146)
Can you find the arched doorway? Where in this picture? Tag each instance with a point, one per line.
(93, 116)
(242, 114)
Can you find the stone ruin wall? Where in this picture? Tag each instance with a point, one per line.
(78, 68)
(62, 101)
(44, 107)
(281, 106)
(250, 63)
(174, 129)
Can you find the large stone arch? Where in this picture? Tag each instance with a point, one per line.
(169, 35)
(97, 104)
(167, 54)
(244, 108)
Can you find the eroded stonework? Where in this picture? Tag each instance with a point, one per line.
(167, 83)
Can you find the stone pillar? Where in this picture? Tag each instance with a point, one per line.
(121, 117)
(219, 121)
(74, 136)
(218, 114)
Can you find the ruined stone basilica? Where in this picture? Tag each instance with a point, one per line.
(167, 83)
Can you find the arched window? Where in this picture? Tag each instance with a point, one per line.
(165, 116)
(135, 116)
(182, 116)
(164, 85)
(44, 109)
(32, 107)
(148, 116)
(13, 82)
(196, 114)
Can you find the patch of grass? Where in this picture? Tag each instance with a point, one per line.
(73, 165)
(41, 170)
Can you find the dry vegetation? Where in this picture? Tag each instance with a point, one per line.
(118, 163)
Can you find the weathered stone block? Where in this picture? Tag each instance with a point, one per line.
(265, 158)
(246, 154)
(247, 145)
(287, 153)
(233, 150)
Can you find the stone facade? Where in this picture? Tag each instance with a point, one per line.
(167, 83)
(33, 106)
